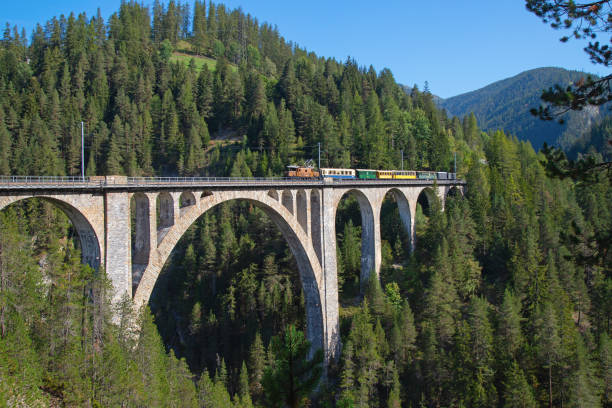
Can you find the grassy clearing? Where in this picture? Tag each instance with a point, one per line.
(198, 60)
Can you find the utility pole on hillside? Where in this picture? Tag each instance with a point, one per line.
(82, 152)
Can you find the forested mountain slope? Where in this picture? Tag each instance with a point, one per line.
(148, 115)
(505, 105)
(505, 302)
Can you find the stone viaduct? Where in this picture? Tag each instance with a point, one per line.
(102, 210)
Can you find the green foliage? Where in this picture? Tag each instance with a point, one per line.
(293, 375)
(517, 392)
(57, 338)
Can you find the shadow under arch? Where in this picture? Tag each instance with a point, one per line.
(368, 238)
(308, 268)
(403, 207)
(88, 240)
(426, 199)
(454, 191)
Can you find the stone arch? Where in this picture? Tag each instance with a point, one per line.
(426, 199)
(309, 270)
(403, 206)
(81, 212)
(165, 214)
(315, 221)
(369, 240)
(141, 239)
(140, 235)
(273, 194)
(186, 200)
(302, 209)
(287, 199)
(454, 191)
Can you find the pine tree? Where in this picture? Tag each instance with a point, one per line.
(5, 150)
(204, 100)
(441, 302)
(583, 383)
(288, 86)
(394, 400)
(509, 335)
(293, 376)
(181, 390)
(347, 377)
(199, 27)
(150, 358)
(547, 343)
(21, 301)
(212, 394)
(255, 95)
(350, 249)
(470, 130)
(605, 367)
(243, 387)
(481, 391)
(367, 357)
(403, 336)
(113, 158)
(257, 364)
(375, 143)
(195, 154)
(517, 392)
(376, 297)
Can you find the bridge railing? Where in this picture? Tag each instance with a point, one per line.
(193, 180)
(49, 180)
(101, 181)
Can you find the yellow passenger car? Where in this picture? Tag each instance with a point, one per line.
(384, 174)
(404, 174)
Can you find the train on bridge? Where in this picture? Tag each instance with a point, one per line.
(306, 172)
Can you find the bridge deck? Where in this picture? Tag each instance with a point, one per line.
(11, 183)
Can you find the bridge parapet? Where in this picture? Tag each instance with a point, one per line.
(8, 183)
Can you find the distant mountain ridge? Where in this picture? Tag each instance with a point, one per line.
(505, 105)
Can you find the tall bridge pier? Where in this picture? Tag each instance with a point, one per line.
(100, 209)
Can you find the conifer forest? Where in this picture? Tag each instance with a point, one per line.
(505, 302)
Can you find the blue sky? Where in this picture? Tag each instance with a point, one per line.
(457, 46)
